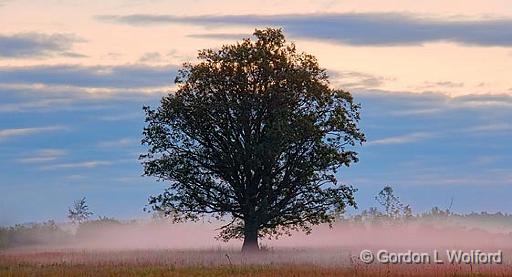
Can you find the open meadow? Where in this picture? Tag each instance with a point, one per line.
(217, 263)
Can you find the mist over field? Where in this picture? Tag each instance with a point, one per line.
(158, 241)
(441, 234)
(153, 248)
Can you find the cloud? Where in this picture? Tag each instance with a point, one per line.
(150, 57)
(122, 117)
(74, 55)
(16, 132)
(22, 45)
(419, 136)
(85, 164)
(476, 101)
(223, 36)
(435, 124)
(378, 29)
(34, 105)
(447, 84)
(75, 177)
(407, 138)
(123, 76)
(355, 80)
(119, 143)
(406, 104)
(44, 155)
(487, 159)
(493, 127)
(28, 98)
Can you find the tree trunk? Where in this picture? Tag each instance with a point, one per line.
(250, 239)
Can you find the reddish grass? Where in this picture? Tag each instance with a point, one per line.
(217, 263)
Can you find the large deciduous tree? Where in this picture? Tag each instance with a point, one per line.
(254, 135)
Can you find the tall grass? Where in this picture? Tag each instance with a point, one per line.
(214, 263)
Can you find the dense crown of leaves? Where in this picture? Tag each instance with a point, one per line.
(253, 133)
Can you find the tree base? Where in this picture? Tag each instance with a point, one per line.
(250, 245)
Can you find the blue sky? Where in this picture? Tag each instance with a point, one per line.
(434, 87)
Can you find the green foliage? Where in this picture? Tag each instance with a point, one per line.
(253, 133)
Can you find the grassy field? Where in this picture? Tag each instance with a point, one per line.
(217, 263)
(140, 270)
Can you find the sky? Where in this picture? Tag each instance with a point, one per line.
(433, 79)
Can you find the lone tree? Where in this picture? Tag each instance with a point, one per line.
(393, 208)
(253, 134)
(79, 212)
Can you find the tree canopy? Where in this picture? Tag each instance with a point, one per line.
(255, 135)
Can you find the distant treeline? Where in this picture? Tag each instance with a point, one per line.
(31, 234)
(389, 211)
(49, 232)
(436, 215)
(393, 211)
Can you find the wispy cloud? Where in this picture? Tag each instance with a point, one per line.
(125, 76)
(28, 98)
(380, 29)
(37, 45)
(122, 117)
(223, 36)
(356, 80)
(44, 155)
(151, 57)
(16, 132)
(123, 142)
(34, 105)
(487, 159)
(407, 138)
(428, 104)
(492, 127)
(85, 164)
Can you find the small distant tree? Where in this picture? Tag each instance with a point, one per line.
(437, 212)
(79, 212)
(393, 208)
(407, 212)
(372, 215)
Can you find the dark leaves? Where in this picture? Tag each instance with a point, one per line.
(253, 133)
